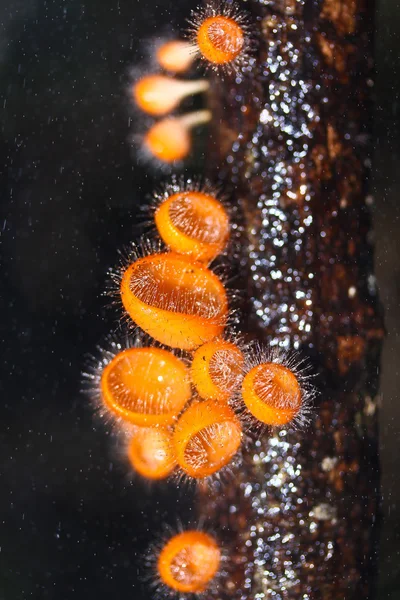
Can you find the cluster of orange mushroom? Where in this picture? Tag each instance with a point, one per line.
(189, 408)
(188, 395)
(219, 36)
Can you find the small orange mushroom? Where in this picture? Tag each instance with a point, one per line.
(220, 39)
(189, 561)
(145, 386)
(176, 56)
(178, 301)
(150, 452)
(169, 140)
(193, 223)
(272, 393)
(216, 369)
(206, 437)
(158, 94)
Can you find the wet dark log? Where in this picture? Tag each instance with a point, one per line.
(291, 140)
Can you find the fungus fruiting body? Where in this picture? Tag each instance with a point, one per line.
(159, 95)
(220, 39)
(193, 223)
(176, 56)
(151, 453)
(216, 369)
(169, 140)
(177, 301)
(206, 437)
(221, 36)
(188, 562)
(145, 386)
(272, 394)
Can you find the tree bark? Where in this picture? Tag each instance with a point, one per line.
(291, 143)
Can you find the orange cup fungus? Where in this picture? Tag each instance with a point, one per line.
(158, 94)
(220, 39)
(177, 301)
(145, 386)
(176, 56)
(169, 140)
(193, 223)
(150, 452)
(206, 437)
(216, 369)
(189, 561)
(272, 394)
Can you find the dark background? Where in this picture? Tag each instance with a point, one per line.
(72, 522)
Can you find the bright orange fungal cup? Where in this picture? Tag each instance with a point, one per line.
(189, 561)
(175, 55)
(193, 223)
(178, 301)
(159, 94)
(216, 369)
(206, 437)
(272, 394)
(220, 39)
(145, 386)
(150, 452)
(169, 140)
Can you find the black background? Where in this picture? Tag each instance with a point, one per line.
(73, 523)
